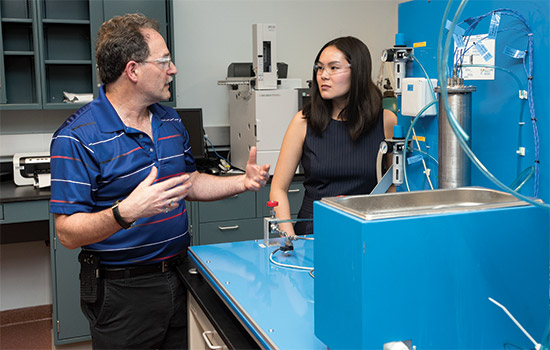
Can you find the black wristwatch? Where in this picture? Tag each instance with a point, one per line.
(119, 219)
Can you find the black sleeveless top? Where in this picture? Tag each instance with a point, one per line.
(336, 165)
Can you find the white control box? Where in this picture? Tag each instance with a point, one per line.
(415, 95)
(264, 59)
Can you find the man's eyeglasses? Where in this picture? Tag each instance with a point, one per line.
(163, 62)
(331, 68)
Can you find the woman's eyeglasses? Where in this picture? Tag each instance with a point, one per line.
(331, 68)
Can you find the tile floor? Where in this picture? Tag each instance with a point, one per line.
(31, 329)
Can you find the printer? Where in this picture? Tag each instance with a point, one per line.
(32, 169)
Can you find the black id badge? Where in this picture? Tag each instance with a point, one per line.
(89, 276)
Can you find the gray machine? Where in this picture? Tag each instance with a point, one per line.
(261, 105)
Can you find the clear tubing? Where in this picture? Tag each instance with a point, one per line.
(426, 172)
(417, 143)
(408, 136)
(443, 56)
(426, 154)
(426, 75)
(520, 87)
(474, 21)
(443, 78)
(515, 185)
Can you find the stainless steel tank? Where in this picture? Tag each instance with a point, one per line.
(454, 165)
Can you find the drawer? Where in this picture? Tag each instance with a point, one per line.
(241, 206)
(231, 231)
(295, 197)
(202, 334)
(27, 211)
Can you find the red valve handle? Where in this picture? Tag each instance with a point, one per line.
(272, 204)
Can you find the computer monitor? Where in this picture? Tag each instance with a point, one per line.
(192, 120)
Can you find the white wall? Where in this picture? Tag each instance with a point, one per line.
(211, 34)
(25, 275)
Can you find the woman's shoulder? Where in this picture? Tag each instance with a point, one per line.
(299, 120)
(390, 120)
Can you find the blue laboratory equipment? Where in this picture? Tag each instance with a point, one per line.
(420, 267)
(510, 132)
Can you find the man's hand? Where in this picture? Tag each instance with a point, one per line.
(150, 198)
(256, 176)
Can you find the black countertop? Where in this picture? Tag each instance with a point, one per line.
(9, 192)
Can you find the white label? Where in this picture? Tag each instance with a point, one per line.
(471, 55)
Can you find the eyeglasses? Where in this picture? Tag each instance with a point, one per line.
(331, 68)
(163, 62)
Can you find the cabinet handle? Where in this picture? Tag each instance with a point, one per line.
(296, 190)
(225, 228)
(207, 341)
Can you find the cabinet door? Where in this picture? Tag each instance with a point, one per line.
(231, 231)
(152, 9)
(2, 70)
(66, 51)
(19, 58)
(241, 206)
(69, 323)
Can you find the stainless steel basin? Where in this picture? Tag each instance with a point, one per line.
(401, 204)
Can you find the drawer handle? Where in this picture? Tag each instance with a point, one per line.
(296, 190)
(207, 341)
(225, 228)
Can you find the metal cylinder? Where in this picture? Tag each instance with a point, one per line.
(454, 164)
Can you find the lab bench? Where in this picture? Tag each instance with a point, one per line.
(251, 303)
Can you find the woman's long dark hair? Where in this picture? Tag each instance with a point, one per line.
(364, 98)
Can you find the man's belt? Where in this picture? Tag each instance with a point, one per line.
(127, 271)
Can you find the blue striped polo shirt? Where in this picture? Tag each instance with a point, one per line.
(97, 160)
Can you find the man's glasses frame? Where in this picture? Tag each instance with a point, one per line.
(163, 62)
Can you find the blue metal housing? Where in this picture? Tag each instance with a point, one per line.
(428, 278)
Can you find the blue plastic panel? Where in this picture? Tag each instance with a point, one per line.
(274, 303)
(496, 131)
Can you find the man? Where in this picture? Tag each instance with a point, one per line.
(121, 169)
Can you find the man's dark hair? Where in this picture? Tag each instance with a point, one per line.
(120, 40)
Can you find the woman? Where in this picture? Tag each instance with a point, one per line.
(336, 137)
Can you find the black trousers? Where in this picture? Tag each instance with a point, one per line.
(142, 312)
